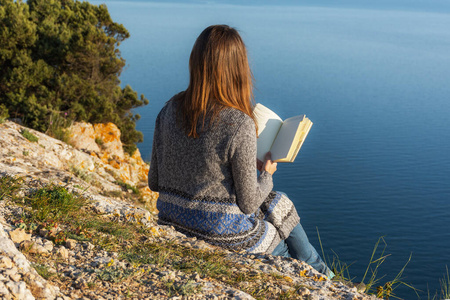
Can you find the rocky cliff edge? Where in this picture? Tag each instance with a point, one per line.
(110, 247)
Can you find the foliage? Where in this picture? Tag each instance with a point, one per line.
(445, 286)
(80, 173)
(184, 289)
(114, 274)
(54, 203)
(127, 187)
(370, 282)
(61, 58)
(9, 186)
(43, 270)
(57, 127)
(29, 136)
(3, 113)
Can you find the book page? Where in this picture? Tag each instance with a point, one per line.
(269, 123)
(285, 139)
(300, 137)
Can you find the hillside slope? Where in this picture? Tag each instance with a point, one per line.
(80, 224)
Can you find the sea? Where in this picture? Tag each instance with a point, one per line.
(372, 180)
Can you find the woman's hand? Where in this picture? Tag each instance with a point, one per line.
(269, 165)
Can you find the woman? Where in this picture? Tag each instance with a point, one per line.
(204, 159)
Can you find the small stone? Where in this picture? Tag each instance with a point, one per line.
(81, 284)
(71, 244)
(38, 241)
(63, 252)
(19, 235)
(13, 287)
(5, 262)
(304, 292)
(43, 232)
(29, 277)
(10, 271)
(15, 277)
(88, 246)
(195, 277)
(48, 245)
(42, 251)
(28, 246)
(3, 289)
(285, 288)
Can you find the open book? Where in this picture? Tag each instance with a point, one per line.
(282, 138)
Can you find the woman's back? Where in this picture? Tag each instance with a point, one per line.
(196, 179)
(197, 166)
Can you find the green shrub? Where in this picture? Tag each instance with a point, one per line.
(69, 67)
(3, 113)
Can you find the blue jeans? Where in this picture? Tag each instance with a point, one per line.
(298, 246)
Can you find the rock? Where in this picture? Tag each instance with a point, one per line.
(29, 246)
(81, 136)
(3, 289)
(43, 232)
(18, 235)
(63, 252)
(101, 261)
(15, 277)
(81, 283)
(109, 134)
(71, 244)
(10, 271)
(48, 245)
(29, 277)
(42, 290)
(5, 262)
(88, 246)
(18, 289)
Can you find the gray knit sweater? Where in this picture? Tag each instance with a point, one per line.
(208, 186)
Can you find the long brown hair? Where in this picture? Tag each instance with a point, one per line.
(220, 77)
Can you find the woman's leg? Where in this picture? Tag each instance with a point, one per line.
(300, 248)
(281, 250)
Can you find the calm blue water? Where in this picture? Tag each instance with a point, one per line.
(375, 81)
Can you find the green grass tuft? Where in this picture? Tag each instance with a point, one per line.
(184, 289)
(57, 127)
(371, 279)
(127, 187)
(43, 271)
(8, 187)
(29, 136)
(55, 203)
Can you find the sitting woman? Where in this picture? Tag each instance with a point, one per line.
(204, 163)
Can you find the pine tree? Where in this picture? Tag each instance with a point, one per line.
(61, 57)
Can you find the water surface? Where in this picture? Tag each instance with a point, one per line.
(372, 78)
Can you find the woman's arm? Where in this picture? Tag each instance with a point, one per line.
(251, 190)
